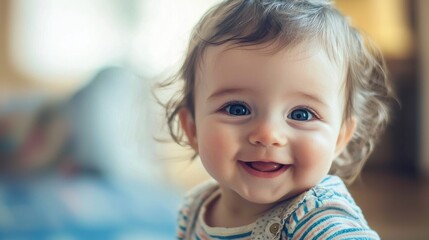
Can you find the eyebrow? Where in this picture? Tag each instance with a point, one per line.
(313, 98)
(227, 91)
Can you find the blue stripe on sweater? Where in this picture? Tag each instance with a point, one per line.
(319, 222)
(347, 231)
(309, 217)
(233, 236)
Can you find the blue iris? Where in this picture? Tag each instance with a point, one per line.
(237, 109)
(301, 115)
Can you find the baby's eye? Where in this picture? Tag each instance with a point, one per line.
(301, 114)
(237, 109)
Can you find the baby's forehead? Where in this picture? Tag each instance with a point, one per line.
(227, 64)
(228, 53)
(251, 58)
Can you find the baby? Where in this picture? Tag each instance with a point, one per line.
(283, 101)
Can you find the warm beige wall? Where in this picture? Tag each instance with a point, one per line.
(384, 21)
(4, 6)
(423, 25)
(12, 80)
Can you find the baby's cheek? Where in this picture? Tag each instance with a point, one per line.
(215, 145)
(313, 155)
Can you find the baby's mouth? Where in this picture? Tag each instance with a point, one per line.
(265, 166)
(264, 169)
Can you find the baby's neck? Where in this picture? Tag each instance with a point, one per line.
(231, 210)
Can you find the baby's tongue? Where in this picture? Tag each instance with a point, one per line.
(265, 166)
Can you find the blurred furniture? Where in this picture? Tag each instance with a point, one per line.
(79, 168)
(85, 208)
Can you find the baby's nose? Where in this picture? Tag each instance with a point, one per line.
(268, 133)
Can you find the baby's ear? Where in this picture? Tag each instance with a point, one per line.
(187, 123)
(346, 133)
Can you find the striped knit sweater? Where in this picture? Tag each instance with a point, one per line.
(326, 211)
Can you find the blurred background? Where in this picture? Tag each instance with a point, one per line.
(78, 159)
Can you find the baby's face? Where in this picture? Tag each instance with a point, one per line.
(268, 126)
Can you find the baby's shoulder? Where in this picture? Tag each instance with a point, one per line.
(191, 204)
(327, 209)
(330, 195)
(331, 190)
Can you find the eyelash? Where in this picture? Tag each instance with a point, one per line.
(307, 108)
(229, 104)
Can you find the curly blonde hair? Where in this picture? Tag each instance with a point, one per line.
(288, 23)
